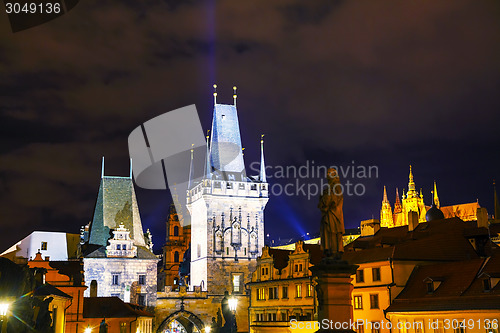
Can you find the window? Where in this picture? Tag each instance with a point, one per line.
(375, 327)
(273, 292)
(118, 247)
(124, 247)
(439, 328)
(430, 287)
(236, 283)
(374, 301)
(419, 326)
(176, 256)
(360, 276)
(491, 325)
(227, 251)
(459, 329)
(358, 302)
(265, 270)
(298, 290)
(142, 279)
(261, 294)
(360, 328)
(141, 299)
(376, 273)
(115, 279)
(284, 292)
(271, 317)
(43, 246)
(486, 284)
(176, 231)
(284, 316)
(309, 290)
(402, 326)
(93, 288)
(123, 327)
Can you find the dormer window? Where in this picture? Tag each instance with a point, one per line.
(432, 284)
(490, 280)
(118, 246)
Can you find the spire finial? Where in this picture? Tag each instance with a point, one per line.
(215, 94)
(102, 168)
(130, 168)
(262, 175)
(435, 195)
(243, 151)
(411, 185)
(234, 95)
(191, 167)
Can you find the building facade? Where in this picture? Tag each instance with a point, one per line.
(116, 256)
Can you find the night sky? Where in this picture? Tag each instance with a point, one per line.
(380, 83)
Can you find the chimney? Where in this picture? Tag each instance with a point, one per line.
(412, 220)
(482, 217)
(369, 227)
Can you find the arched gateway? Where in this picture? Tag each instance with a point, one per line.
(191, 322)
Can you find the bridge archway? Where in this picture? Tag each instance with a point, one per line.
(191, 322)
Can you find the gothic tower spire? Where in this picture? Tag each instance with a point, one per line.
(386, 219)
(262, 175)
(412, 193)
(397, 203)
(435, 195)
(208, 165)
(191, 168)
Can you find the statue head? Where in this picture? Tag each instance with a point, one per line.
(332, 175)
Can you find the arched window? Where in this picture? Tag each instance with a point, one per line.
(176, 231)
(93, 288)
(176, 256)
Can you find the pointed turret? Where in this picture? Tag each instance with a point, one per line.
(262, 175)
(435, 195)
(208, 165)
(102, 168)
(386, 219)
(116, 204)
(412, 193)
(397, 203)
(225, 146)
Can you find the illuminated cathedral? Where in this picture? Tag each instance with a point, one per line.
(413, 201)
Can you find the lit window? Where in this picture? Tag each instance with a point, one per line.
(142, 279)
(374, 301)
(402, 326)
(376, 274)
(43, 246)
(236, 283)
(375, 326)
(261, 294)
(491, 325)
(298, 290)
(360, 327)
(419, 326)
(358, 302)
(115, 279)
(309, 290)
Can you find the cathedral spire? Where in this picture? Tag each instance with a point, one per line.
(435, 195)
(262, 175)
(397, 203)
(412, 193)
(234, 96)
(385, 196)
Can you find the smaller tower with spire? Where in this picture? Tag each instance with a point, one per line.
(386, 212)
(435, 196)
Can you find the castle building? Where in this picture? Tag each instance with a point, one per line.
(413, 201)
(177, 242)
(227, 228)
(117, 258)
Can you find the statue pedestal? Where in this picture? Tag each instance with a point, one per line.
(334, 292)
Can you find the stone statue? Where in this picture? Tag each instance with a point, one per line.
(103, 327)
(332, 217)
(229, 317)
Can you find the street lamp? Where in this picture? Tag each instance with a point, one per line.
(4, 308)
(88, 330)
(207, 329)
(232, 302)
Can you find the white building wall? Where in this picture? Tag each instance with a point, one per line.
(57, 246)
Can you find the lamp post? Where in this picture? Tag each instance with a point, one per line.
(233, 304)
(4, 309)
